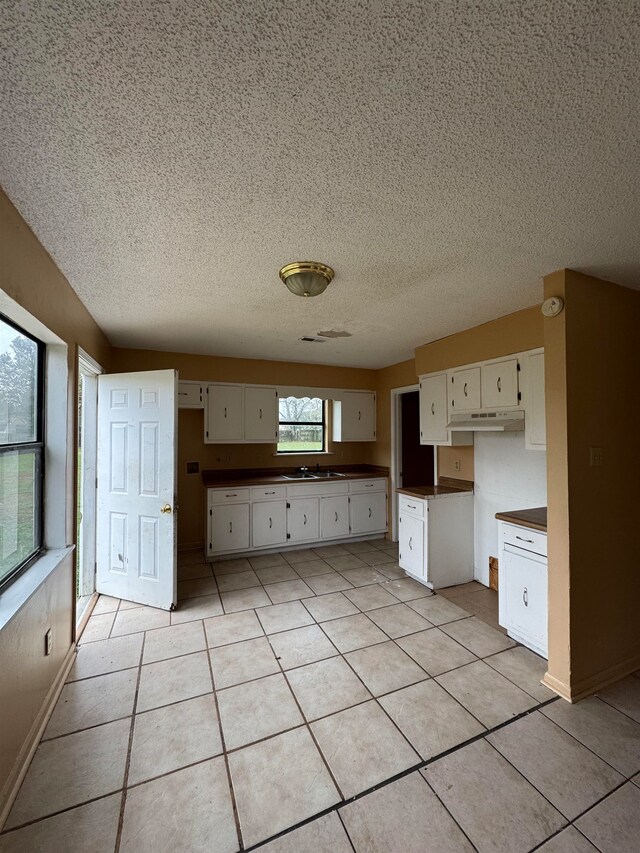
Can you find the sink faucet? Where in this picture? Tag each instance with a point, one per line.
(303, 469)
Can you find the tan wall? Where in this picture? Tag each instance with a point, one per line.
(514, 333)
(396, 376)
(448, 456)
(29, 276)
(592, 373)
(191, 446)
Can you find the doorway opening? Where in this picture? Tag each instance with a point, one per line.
(86, 449)
(412, 463)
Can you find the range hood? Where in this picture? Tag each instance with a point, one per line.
(487, 422)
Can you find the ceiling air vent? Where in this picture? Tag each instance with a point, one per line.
(309, 340)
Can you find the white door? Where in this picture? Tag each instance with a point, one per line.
(269, 523)
(261, 414)
(465, 390)
(433, 409)
(136, 520)
(223, 414)
(500, 384)
(229, 528)
(334, 516)
(368, 513)
(303, 519)
(411, 545)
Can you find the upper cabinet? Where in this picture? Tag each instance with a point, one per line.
(235, 414)
(535, 433)
(354, 416)
(499, 384)
(190, 395)
(464, 390)
(434, 413)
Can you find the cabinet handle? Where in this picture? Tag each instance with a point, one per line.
(433, 409)
(499, 385)
(525, 597)
(412, 507)
(336, 518)
(530, 541)
(269, 493)
(465, 390)
(359, 415)
(270, 523)
(260, 414)
(410, 541)
(369, 512)
(305, 518)
(368, 485)
(231, 496)
(225, 411)
(231, 527)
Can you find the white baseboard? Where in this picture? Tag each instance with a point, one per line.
(19, 771)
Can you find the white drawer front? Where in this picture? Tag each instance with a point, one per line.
(268, 493)
(412, 506)
(378, 485)
(319, 487)
(223, 496)
(523, 537)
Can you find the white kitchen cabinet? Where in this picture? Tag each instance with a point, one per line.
(190, 395)
(464, 390)
(260, 414)
(229, 528)
(535, 432)
(523, 586)
(303, 520)
(436, 538)
(269, 523)
(334, 516)
(354, 416)
(499, 384)
(368, 512)
(224, 414)
(434, 413)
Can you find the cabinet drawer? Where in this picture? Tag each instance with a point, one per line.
(377, 485)
(523, 537)
(412, 506)
(319, 487)
(268, 493)
(231, 495)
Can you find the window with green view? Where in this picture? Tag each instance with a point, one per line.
(302, 425)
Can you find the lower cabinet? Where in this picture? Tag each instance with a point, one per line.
(229, 528)
(368, 512)
(412, 546)
(303, 522)
(334, 516)
(523, 586)
(269, 523)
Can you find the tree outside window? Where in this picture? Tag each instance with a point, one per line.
(302, 425)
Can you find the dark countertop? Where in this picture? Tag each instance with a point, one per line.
(215, 478)
(536, 518)
(446, 486)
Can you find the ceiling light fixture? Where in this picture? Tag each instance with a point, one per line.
(306, 278)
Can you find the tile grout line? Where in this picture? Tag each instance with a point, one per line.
(437, 796)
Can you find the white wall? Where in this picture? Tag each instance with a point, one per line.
(507, 477)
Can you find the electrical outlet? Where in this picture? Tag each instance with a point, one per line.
(48, 642)
(596, 457)
(193, 467)
(456, 464)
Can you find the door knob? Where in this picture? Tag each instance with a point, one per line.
(166, 508)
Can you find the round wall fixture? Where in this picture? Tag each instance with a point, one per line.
(553, 306)
(306, 278)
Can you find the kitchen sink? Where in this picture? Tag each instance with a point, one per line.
(307, 475)
(299, 476)
(325, 474)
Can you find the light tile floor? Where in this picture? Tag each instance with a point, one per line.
(319, 701)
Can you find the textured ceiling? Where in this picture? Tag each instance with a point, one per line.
(442, 157)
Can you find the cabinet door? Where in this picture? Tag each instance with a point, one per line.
(190, 395)
(269, 523)
(261, 414)
(355, 417)
(223, 415)
(229, 528)
(464, 386)
(411, 552)
(500, 384)
(433, 409)
(368, 512)
(303, 519)
(534, 414)
(523, 586)
(334, 516)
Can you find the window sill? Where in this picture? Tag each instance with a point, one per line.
(307, 453)
(23, 588)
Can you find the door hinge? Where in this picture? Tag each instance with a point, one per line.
(288, 536)
(518, 367)
(210, 546)
(519, 396)
(207, 433)
(210, 512)
(288, 505)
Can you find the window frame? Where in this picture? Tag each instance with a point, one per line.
(38, 446)
(322, 423)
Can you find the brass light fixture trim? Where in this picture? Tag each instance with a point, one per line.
(306, 278)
